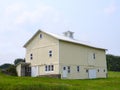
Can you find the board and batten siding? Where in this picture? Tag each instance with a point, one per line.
(39, 48)
(74, 55)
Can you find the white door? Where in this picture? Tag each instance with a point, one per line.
(92, 73)
(64, 75)
(34, 71)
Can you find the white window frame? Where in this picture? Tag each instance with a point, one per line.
(49, 68)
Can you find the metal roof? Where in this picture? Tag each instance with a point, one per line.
(67, 39)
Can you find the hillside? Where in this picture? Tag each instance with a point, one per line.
(28, 83)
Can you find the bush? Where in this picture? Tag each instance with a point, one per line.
(12, 70)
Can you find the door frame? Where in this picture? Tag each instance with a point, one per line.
(92, 73)
(34, 71)
(64, 72)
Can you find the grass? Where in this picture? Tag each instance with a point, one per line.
(29, 83)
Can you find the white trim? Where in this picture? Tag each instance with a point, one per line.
(49, 68)
(59, 55)
(49, 72)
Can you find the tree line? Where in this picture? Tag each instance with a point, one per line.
(113, 62)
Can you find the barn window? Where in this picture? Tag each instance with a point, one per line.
(52, 67)
(46, 68)
(41, 36)
(50, 53)
(49, 68)
(94, 56)
(86, 70)
(64, 68)
(31, 56)
(78, 68)
(98, 70)
(68, 69)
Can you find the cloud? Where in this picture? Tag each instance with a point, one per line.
(111, 8)
(19, 13)
(18, 23)
(33, 16)
(14, 8)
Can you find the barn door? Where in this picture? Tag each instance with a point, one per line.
(92, 73)
(34, 72)
(64, 75)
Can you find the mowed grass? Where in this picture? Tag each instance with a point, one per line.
(29, 83)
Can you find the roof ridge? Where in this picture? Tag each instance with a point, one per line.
(63, 38)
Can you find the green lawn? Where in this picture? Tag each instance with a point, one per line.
(28, 83)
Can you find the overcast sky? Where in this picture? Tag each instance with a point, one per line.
(94, 21)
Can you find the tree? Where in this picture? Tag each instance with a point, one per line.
(18, 61)
(12, 70)
(113, 62)
(8, 69)
(5, 66)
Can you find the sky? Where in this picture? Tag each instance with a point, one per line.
(93, 21)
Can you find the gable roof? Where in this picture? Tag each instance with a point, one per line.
(63, 38)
